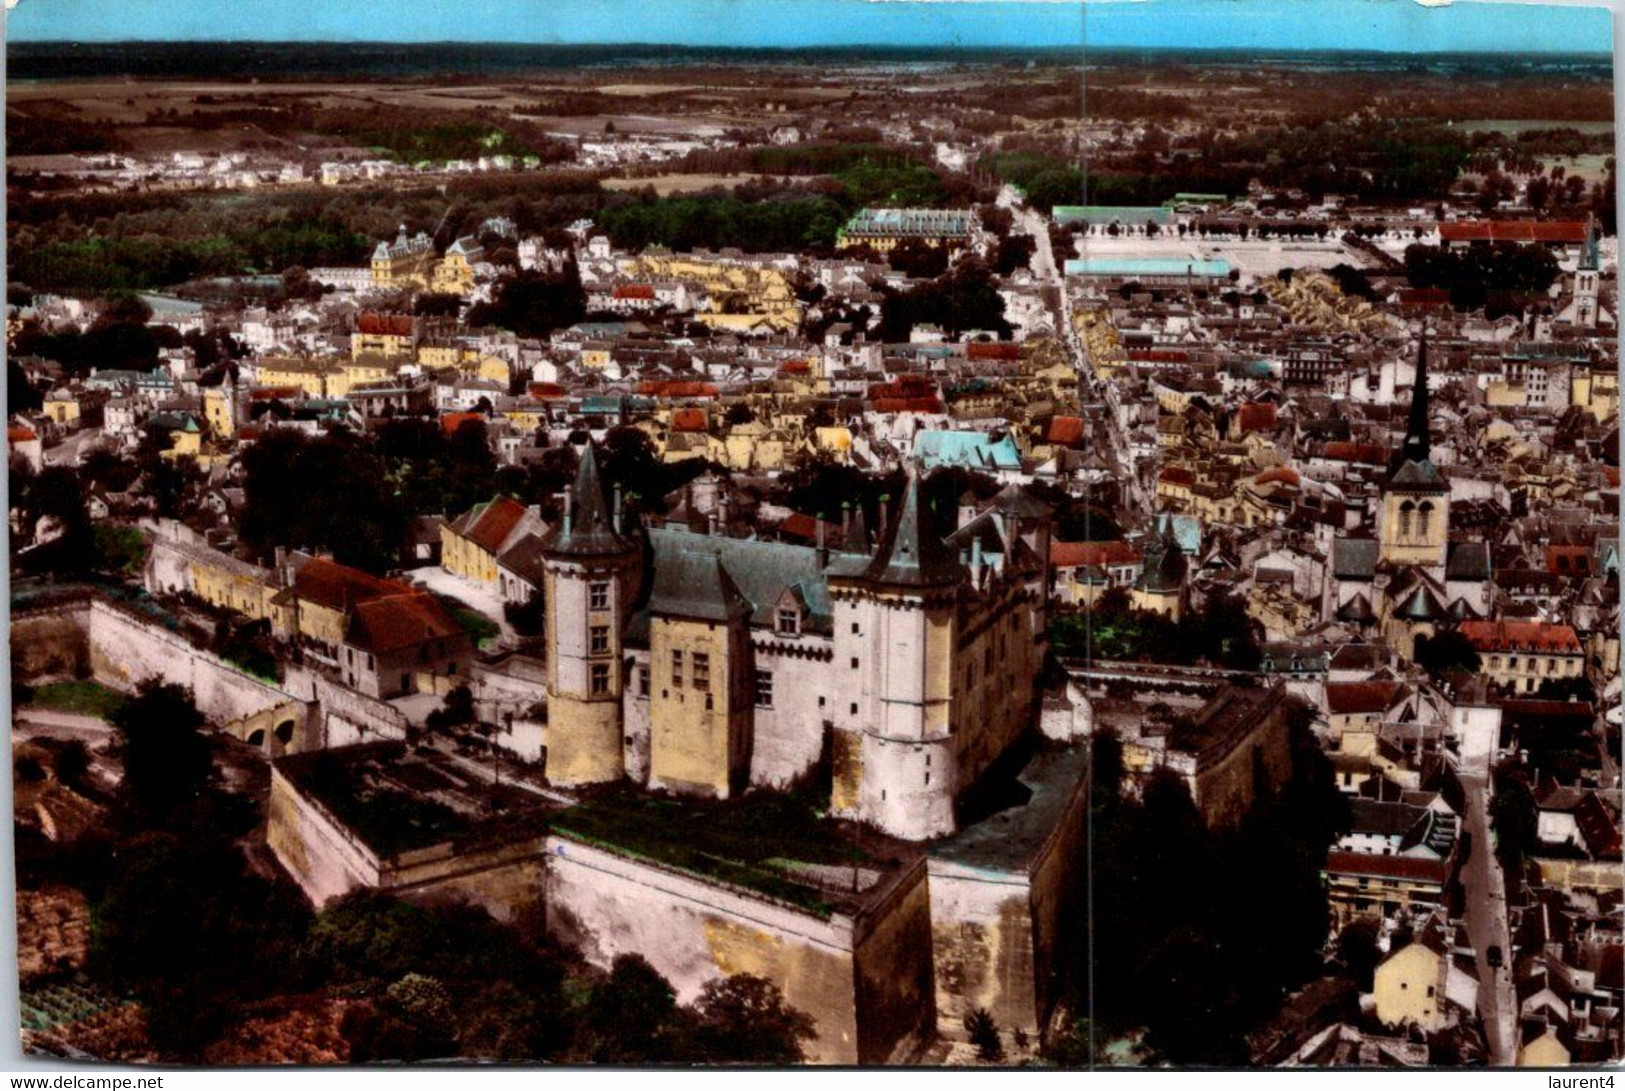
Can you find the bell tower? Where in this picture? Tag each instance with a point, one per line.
(1587, 281)
(590, 573)
(1416, 497)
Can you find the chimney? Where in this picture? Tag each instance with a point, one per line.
(846, 520)
(823, 547)
(619, 529)
(976, 560)
(711, 524)
(569, 507)
(885, 515)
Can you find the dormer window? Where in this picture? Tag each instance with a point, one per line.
(789, 621)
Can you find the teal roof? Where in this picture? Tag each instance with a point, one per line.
(1217, 268)
(1109, 214)
(971, 450)
(1187, 530)
(168, 304)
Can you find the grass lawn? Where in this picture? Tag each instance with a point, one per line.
(737, 842)
(85, 698)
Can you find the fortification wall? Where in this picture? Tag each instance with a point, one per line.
(346, 716)
(51, 641)
(323, 858)
(693, 932)
(507, 880)
(125, 652)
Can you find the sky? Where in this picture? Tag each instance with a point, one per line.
(1386, 25)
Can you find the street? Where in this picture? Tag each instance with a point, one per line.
(1487, 927)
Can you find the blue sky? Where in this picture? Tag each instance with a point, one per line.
(1393, 25)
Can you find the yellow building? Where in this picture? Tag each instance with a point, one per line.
(405, 263)
(62, 407)
(1595, 390)
(471, 544)
(1520, 655)
(1410, 986)
(883, 229)
(1544, 1050)
(369, 368)
(454, 275)
(309, 376)
(220, 410)
(389, 335)
(226, 583)
(739, 296)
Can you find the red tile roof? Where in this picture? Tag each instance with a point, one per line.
(340, 587)
(904, 386)
(1344, 698)
(450, 422)
(1568, 560)
(1424, 297)
(796, 367)
(906, 405)
(392, 325)
(634, 291)
(547, 391)
(805, 527)
(677, 388)
(273, 393)
(688, 420)
(1366, 454)
(1177, 475)
(1413, 868)
(1520, 636)
(1089, 554)
(18, 434)
(401, 621)
(1160, 356)
(1066, 430)
(495, 522)
(1256, 417)
(1572, 232)
(1284, 474)
(993, 350)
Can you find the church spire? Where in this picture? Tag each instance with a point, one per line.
(1416, 448)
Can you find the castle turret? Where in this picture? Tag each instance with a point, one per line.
(591, 578)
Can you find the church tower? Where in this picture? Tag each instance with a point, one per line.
(591, 578)
(894, 754)
(1587, 281)
(1416, 497)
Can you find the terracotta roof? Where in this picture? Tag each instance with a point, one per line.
(993, 350)
(1368, 454)
(1066, 430)
(340, 587)
(489, 526)
(677, 388)
(393, 325)
(688, 420)
(1387, 867)
(930, 404)
(634, 291)
(273, 393)
(796, 367)
(1343, 698)
(547, 391)
(1177, 475)
(450, 422)
(1159, 356)
(1424, 297)
(1568, 231)
(401, 621)
(1284, 474)
(1085, 554)
(1256, 417)
(1535, 636)
(1564, 560)
(17, 434)
(904, 386)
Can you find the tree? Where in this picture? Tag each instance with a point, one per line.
(1013, 252)
(1446, 652)
(743, 1019)
(533, 303)
(1357, 950)
(984, 1035)
(167, 764)
(739, 413)
(1513, 813)
(630, 1017)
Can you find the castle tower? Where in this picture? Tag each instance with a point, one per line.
(1161, 586)
(701, 705)
(1587, 281)
(1416, 497)
(590, 575)
(895, 755)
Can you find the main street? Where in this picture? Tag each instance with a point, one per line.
(1487, 926)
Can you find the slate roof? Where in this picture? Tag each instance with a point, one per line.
(914, 554)
(696, 585)
(586, 530)
(760, 571)
(1355, 558)
(1468, 561)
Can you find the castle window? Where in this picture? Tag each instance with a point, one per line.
(598, 640)
(854, 662)
(677, 667)
(643, 680)
(789, 621)
(1405, 511)
(1424, 516)
(764, 689)
(600, 679)
(702, 670)
(598, 595)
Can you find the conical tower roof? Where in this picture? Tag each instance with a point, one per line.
(1412, 469)
(913, 553)
(586, 529)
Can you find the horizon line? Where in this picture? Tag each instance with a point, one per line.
(821, 47)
